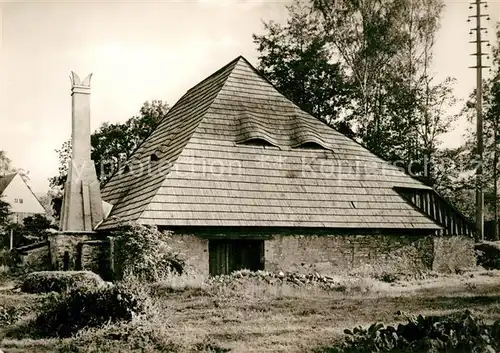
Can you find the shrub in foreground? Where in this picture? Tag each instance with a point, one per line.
(59, 281)
(145, 253)
(67, 313)
(460, 332)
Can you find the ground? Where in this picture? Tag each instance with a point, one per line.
(251, 316)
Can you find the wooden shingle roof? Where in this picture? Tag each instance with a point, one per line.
(207, 172)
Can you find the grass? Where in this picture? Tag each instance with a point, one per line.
(248, 315)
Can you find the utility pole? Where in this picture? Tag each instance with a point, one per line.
(479, 112)
(496, 126)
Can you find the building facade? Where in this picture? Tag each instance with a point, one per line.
(23, 202)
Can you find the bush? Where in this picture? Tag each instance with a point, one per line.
(460, 332)
(9, 315)
(65, 314)
(145, 253)
(59, 281)
(453, 254)
(7, 258)
(488, 255)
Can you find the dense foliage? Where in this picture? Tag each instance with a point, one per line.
(65, 314)
(457, 333)
(5, 163)
(145, 253)
(296, 59)
(4, 215)
(37, 225)
(363, 67)
(59, 281)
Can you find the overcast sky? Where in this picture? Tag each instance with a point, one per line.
(139, 51)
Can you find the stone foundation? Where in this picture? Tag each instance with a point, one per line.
(327, 254)
(330, 254)
(287, 252)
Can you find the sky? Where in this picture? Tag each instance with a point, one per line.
(139, 51)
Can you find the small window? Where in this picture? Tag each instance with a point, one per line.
(154, 158)
(126, 169)
(16, 200)
(311, 146)
(258, 142)
(20, 200)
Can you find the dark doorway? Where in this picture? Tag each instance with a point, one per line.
(66, 261)
(226, 256)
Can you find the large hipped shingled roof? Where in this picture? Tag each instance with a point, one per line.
(233, 151)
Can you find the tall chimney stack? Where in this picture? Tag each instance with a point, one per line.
(82, 205)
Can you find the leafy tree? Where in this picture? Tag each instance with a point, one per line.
(4, 214)
(113, 143)
(5, 163)
(5, 222)
(386, 48)
(37, 225)
(296, 59)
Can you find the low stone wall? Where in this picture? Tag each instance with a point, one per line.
(330, 254)
(64, 250)
(96, 256)
(35, 258)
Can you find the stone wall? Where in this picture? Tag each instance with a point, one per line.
(318, 251)
(340, 253)
(64, 250)
(36, 259)
(96, 256)
(194, 250)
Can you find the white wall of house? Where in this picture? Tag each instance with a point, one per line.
(21, 199)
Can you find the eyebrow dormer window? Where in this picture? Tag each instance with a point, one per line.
(257, 142)
(310, 146)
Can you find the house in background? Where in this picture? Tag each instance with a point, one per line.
(18, 194)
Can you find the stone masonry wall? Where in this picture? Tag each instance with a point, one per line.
(62, 244)
(339, 253)
(36, 259)
(194, 250)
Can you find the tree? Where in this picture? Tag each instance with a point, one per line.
(37, 225)
(113, 143)
(5, 222)
(296, 59)
(5, 163)
(4, 214)
(386, 48)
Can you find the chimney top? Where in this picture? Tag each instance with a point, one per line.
(75, 80)
(78, 85)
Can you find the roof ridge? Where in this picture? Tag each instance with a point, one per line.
(234, 61)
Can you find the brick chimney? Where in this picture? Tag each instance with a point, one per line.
(82, 205)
